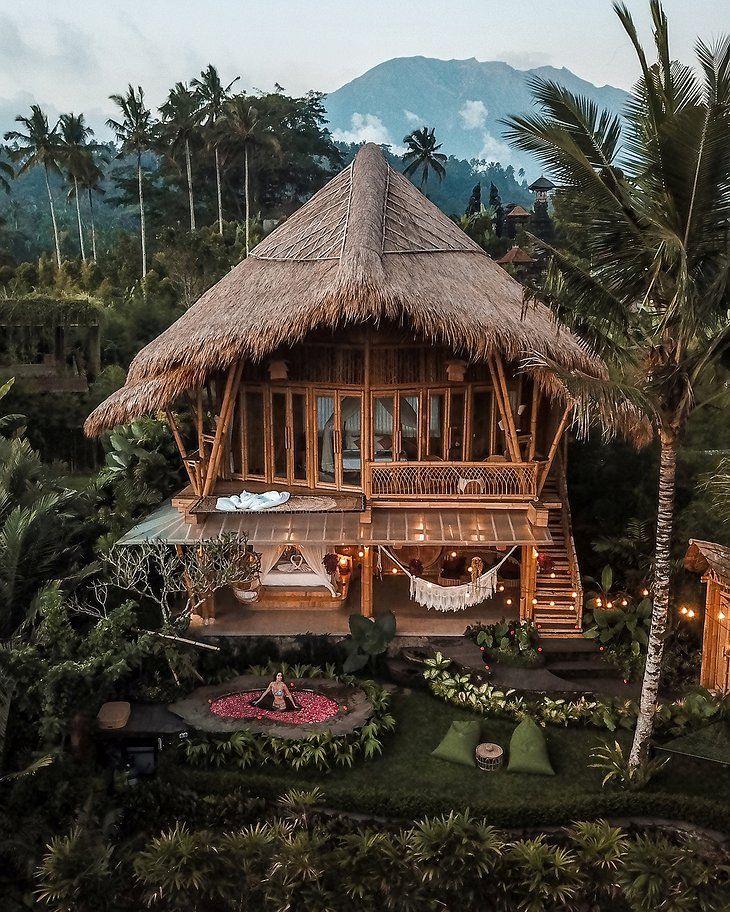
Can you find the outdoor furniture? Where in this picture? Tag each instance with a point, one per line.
(489, 756)
(113, 715)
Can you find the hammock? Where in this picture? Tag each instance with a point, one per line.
(452, 598)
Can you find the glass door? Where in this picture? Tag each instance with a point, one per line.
(280, 435)
(482, 424)
(289, 436)
(338, 419)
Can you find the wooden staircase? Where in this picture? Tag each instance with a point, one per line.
(557, 593)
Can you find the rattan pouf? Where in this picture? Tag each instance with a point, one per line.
(489, 756)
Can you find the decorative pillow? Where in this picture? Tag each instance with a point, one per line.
(528, 750)
(459, 743)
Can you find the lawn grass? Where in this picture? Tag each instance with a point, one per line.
(406, 781)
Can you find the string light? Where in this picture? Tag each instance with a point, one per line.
(721, 616)
(690, 613)
(453, 553)
(574, 595)
(683, 610)
(394, 570)
(534, 601)
(509, 601)
(598, 603)
(361, 553)
(552, 576)
(624, 602)
(500, 588)
(644, 592)
(609, 604)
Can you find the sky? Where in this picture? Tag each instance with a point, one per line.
(70, 55)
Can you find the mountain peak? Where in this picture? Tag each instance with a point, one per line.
(464, 100)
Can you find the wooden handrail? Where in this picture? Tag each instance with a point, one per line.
(461, 480)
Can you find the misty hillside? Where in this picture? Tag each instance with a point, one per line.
(463, 99)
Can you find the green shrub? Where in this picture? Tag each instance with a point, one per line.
(617, 770)
(515, 642)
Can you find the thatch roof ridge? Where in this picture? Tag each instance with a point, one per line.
(367, 248)
(702, 556)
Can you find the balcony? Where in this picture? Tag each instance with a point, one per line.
(464, 481)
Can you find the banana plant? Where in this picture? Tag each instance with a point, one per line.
(369, 637)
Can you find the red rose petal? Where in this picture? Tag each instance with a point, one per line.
(314, 708)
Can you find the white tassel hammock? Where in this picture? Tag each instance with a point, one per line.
(452, 598)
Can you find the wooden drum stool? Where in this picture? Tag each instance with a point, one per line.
(489, 756)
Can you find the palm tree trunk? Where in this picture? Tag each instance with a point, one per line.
(218, 189)
(53, 218)
(78, 218)
(189, 166)
(245, 184)
(141, 215)
(660, 601)
(93, 226)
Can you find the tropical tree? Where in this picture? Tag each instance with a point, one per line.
(90, 179)
(423, 154)
(6, 171)
(136, 133)
(244, 131)
(212, 95)
(181, 117)
(77, 157)
(654, 299)
(39, 145)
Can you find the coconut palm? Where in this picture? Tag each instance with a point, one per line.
(39, 145)
(136, 133)
(90, 180)
(77, 156)
(212, 95)
(243, 130)
(655, 297)
(423, 153)
(181, 118)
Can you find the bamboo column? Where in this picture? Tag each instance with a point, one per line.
(366, 582)
(230, 395)
(183, 451)
(534, 408)
(554, 447)
(508, 422)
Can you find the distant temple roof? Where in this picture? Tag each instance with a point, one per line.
(516, 255)
(542, 183)
(518, 212)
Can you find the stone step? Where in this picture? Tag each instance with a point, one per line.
(586, 667)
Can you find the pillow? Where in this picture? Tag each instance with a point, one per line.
(459, 743)
(528, 750)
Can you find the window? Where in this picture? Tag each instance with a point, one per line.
(255, 443)
(436, 425)
(481, 424)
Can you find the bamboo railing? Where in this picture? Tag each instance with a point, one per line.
(463, 480)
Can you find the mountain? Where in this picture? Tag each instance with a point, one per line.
(463, 99)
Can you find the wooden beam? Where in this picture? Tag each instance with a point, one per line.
(366, 435)
(554, 447)
(181, 447)
(226, 410)
(366, 582)
(500, 389)
(534, 408)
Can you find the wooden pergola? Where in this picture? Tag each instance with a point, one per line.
(713, 562)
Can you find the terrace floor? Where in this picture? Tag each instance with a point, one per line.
(234, 619)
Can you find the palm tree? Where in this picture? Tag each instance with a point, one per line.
(77, 155)
(135, 132)
(39, 145)
(181, 118)
(242, 129)
(90, 180)
(657, 238)
(212, 95)
(423, 152)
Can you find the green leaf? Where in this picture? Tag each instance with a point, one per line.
(606, 578)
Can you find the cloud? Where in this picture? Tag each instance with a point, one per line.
(366, 128)
(411, 117)
(527, 60)
(494, 149)
(69, 51)
(473, 115)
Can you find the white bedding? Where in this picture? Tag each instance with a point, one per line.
(297, 579)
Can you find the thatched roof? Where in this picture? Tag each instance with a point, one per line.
(515, 255)
(367, 248)
(542, 183)
(702, 556)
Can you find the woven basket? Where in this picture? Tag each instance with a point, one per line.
(489, 756)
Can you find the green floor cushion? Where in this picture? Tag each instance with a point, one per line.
(459, 743)
(528, 750)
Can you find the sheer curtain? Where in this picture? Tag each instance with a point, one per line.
(313, 555)
(269, 557)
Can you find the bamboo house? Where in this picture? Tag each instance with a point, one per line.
(367, 362)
